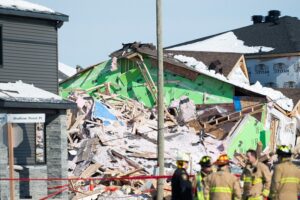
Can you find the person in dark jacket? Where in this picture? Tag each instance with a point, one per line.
(181, 185)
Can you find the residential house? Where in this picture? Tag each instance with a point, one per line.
(271, 46)
(29, 55)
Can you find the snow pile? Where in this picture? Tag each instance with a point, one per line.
(238, 75)
(226, 42)
(276, 96)
(20, 90)
(66, 69)
(24, 5)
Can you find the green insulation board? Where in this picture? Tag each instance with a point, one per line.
(128, 81)
(246, 135)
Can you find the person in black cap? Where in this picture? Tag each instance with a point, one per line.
(206, 169)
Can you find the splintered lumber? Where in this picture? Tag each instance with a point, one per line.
(235, 115)
(132, 172)
(79, 120)
(70, 139)
(92, 169)
(71, 117)
(128, 160)
(195, 125)
(240, 158)
(94, 88)
(259, 148)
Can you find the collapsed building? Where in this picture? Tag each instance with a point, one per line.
(210, 109)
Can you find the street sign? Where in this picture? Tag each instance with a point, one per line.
(22, 118)
(25, 118)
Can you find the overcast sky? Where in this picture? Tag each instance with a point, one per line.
(98, 27)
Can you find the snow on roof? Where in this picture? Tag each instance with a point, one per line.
(66, 69)
(24, 5)
(20, 91)
(226, 42)
(276, 96)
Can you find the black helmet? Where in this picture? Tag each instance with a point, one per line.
(284, 151)
(205, 161)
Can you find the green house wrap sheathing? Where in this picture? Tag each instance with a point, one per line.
(128, 81)
(247, 134)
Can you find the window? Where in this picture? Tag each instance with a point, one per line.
(280, 68)
(289, 84)
(261, 69)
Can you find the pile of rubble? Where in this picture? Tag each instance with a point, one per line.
(110, 136)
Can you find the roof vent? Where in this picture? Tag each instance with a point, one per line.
(274, 13)
(257, 19)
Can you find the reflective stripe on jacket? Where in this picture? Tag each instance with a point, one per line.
(285, 181)
(222, 185)
(257, 181)
(199, 187)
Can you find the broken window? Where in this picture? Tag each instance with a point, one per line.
(261, 69)
(289, 84)
(39, 143)
(280, 68)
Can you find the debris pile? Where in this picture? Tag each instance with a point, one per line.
(110, 136)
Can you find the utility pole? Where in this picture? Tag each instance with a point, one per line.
(160, 100)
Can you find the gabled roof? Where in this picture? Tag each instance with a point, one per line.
(292, 93)
(283, 36)
(227, 60)
(27, 9)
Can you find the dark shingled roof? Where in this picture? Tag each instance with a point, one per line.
(227, 60)
(292, 93)
(283, 36)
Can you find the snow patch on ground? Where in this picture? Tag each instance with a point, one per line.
(276, 96)
(24, 5)
(26, 91)
(226, 42)
(66, 69)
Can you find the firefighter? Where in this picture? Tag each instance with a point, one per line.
(181, 185)
(206, 169)
(222, 185)
(286, 177)
(256, 177)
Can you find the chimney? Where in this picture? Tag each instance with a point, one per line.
(273, 16)
(257, 19)
(78, 68)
